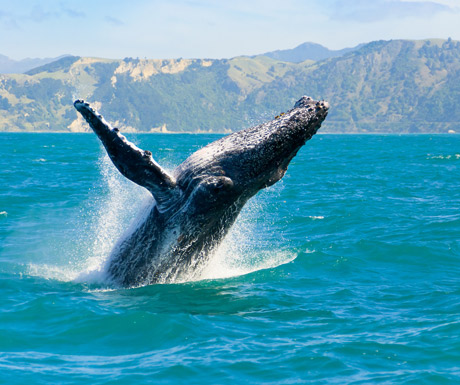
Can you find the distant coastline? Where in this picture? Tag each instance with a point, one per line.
(224, 133)
(396, 86)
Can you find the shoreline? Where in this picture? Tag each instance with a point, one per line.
(228, 133)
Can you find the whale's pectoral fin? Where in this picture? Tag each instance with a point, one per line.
(134, 163)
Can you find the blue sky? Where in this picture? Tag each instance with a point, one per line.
(212, 29)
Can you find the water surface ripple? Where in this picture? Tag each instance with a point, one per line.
(345, 272)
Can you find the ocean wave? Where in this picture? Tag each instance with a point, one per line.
(444, 157)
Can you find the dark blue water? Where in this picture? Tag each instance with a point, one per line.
(347, 271)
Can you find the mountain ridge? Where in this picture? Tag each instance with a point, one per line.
(304, 51)
(11, 66)
(308, 51)
(396, 86)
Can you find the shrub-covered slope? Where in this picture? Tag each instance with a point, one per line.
(386, 86)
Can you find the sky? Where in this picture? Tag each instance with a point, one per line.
(157, 29)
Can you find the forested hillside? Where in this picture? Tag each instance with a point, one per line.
(385, 86)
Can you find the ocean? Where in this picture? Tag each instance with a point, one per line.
(345, 272)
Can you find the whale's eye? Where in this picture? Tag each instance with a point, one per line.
(221, 183)
(211, 193)
(214, 186)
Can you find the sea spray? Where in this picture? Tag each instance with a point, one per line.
(115, 211)
(250, 245)
(103, 217)
(244, 250)
(116, 206)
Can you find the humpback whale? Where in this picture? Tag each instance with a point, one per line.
(195, 205)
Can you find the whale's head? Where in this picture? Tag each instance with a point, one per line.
(235, 167)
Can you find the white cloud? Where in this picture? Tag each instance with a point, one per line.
(449, 3)
(113, 20)
(8, 22)
(371, 11)
(38, 14)
(209, 28)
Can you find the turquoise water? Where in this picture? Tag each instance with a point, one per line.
(347, 271)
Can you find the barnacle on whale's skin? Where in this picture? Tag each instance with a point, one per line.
(195, 206)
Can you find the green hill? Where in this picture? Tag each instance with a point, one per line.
(386, 86)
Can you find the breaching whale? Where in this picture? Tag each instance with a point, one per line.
(195, 206)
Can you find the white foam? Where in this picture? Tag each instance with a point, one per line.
(112, 218)
(240, 254)
(450, 156)
(227, 264)
(246, 249)
(58, 273)
(102, 221)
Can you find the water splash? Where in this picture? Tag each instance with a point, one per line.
(250, 245)
(104, 217)
(113, 215)
(108, 216)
